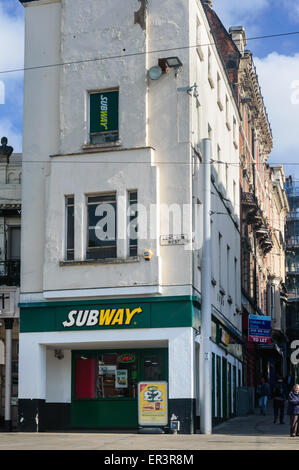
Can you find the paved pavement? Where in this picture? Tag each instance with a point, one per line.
(254, 432)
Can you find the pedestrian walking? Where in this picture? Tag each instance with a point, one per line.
(293, 411)
(263, 392)
(279, 395)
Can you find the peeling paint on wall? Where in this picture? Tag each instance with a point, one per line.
(140, 15)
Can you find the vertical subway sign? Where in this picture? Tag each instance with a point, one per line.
(104, 112)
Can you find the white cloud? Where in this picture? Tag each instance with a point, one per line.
(13, 135)
(11, 57)
(11, 40)
(279, 80)
(292, 7)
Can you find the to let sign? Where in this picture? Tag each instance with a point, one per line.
(259, 329)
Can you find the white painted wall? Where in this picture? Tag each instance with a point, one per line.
(58, 377)
(40, 131)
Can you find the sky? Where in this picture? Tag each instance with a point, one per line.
(276, 60)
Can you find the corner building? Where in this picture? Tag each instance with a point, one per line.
(105, 148)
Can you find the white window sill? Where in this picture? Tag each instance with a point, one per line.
(104, 146)
(129, 259)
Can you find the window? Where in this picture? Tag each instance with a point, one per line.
(235, 133)
(101, 239)
(153, 368)
(228, 268)
(220, 259)
(219, 164)
(227, 113)
(103, 117)
(14, 243)
(236, 279)
(234, 194)
(70, 227)
(226, 178)
(106, 375)
(219, 94)
(211, 82)
(132, 221)
(198, 115)
(198, 40)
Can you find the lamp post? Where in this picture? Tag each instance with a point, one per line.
(205, 336)
(8, 355)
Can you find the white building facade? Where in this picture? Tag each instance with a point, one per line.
(106, 147)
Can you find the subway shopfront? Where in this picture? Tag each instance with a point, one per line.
(81, 361)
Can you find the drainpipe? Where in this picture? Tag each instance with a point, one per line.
(205, 335)
(254, 237)
(8, 354)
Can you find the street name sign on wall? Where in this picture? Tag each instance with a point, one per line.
(259, 329)
(152, 404)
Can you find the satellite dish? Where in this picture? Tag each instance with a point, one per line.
(155, 72)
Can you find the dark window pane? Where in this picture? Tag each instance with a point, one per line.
(101, 227)
(117, 375)
(70, 227)
(133, 226)
(152, 368)
(14, 243)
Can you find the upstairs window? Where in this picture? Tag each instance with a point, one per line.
(14, 243)
(101, 242)
(103, 117)
(70, 227)
(132, 223)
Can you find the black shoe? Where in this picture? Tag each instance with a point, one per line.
(282, 422)
(274, 422)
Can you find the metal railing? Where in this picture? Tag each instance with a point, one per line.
(10, 273)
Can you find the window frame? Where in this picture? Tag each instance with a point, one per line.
(66, 207)
(93, 135)
(98, 248)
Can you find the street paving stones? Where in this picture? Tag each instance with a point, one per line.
(253, 432)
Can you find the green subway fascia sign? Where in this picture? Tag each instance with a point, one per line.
(164, 312)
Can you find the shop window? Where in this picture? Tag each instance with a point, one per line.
(152, 368)
(117, 375)
(132, 220)
(107, 375)
(103, 117)
(70, 227)
(101, 241)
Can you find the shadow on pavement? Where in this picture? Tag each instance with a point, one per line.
(255, 425)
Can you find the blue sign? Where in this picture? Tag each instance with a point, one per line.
(259, 329)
